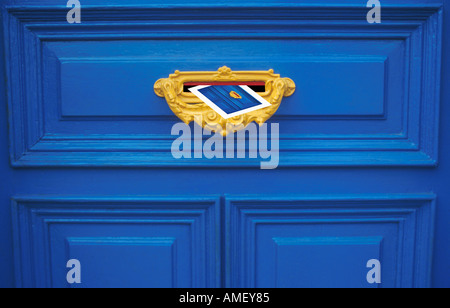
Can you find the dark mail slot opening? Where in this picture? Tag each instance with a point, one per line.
(257, 86)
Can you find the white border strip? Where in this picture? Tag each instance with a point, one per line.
(264, 103)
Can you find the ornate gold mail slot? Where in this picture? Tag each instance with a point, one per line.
(190, 107)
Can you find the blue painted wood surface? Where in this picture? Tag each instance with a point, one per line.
(86, 170)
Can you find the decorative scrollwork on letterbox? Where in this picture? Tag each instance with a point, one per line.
(188, 107)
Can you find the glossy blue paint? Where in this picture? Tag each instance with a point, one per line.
(93, 178)
(393, 123)
(326, 241)
(120, 242)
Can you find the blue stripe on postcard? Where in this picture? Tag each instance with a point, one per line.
(230, 99)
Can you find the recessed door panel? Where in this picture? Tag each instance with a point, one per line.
(120, 242)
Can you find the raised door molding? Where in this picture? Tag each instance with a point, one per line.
(67, 84)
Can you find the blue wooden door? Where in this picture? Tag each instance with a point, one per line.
(87, 172)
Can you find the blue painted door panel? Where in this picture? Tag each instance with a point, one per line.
(120, 242)
(86, 170)
(358, 90)
(317, 241)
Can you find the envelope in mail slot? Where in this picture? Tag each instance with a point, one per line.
(230, 100)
